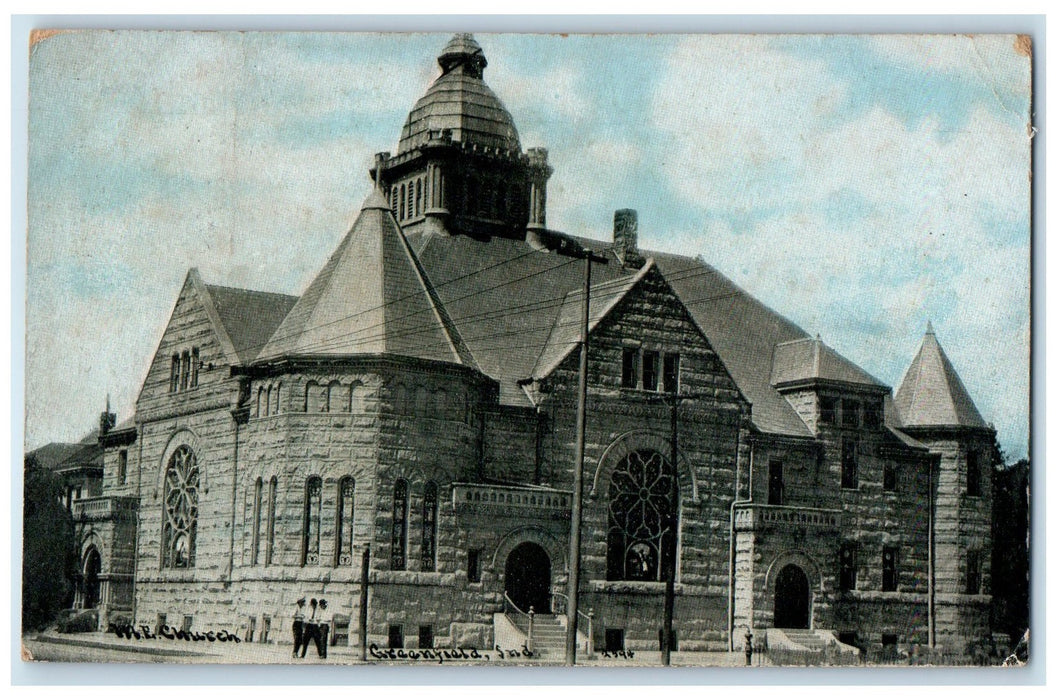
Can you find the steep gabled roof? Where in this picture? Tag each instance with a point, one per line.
(504, 297)
(371, 297)
(565, 333)
(809, 359)
(249, 317)
(932, 394)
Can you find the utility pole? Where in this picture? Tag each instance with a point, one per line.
(364, 575)
(672, 400)
(559, 243)
(573, 613)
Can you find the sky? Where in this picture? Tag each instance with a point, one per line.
(859, 185)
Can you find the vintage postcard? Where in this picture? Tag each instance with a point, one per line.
(594, 350)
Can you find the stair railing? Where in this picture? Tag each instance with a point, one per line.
(512, 610)
(560, 606)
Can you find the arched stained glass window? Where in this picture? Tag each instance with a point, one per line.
(269, 552)
(429, 527)
(255, 546)
(398, 554)
(643, 519)
(313, 503)
(343, 522)
(180, 516)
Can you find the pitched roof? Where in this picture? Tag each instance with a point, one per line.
(249, 317)
(371, 297)
(53, 454)
(565, 333)
(504, 296)
(808, 359)
(932, 394)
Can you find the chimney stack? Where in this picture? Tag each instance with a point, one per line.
(626, 238)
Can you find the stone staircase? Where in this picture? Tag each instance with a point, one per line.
(548, 636)
(800, 647)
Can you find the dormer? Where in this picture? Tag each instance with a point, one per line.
(827, 390)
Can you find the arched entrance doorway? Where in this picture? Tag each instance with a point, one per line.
(528, 577)
(792, 599)
(93, 565)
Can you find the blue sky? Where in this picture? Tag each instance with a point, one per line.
(859, 185)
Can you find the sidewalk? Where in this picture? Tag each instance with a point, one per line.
(203, 652)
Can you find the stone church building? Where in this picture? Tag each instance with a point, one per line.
(419, 398)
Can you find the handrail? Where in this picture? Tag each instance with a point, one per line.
(587, 617)
(513, 605)
(530, 615)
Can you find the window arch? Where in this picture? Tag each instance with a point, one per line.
(255, 546)
(332, 397)
(195, 361)
(185, 369)
(260, 401)
(343, 522)
(275, 398)
(643, 518)
(418, 196)
(269, 550)
(422, 401)
(180, 514)
(398, 553)
(310, 395)
(403, 198)
(174, 373)
(313, 502)
(429, 527)
(268, 401)
(356, 398)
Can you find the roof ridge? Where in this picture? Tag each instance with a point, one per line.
(247, 290)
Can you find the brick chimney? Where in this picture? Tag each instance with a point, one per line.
(626, 238)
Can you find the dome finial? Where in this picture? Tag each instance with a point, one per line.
(464, 52)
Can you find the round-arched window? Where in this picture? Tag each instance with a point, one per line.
(180, 519)
(643, 521)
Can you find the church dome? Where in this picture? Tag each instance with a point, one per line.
(460, 101)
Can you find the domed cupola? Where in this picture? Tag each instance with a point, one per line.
(459, 167)
(460, 102)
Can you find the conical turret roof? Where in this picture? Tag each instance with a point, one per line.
(932, 394)
(371, 297)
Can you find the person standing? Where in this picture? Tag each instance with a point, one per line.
(311, 628)
(299, 626)
(324, 630)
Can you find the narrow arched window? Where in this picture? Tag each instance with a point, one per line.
(185, 369)
(174, 374)
(260, 401)
(268, 401)
(429, 527)
(394, 196)
(311, 387)
(400, 399)
(313, 503)
(440, 404)
(275, 398)
(194, 367)
(418, 197)
(332, 400)
(343, 522)
(422, 401)
(180, 510)
(643, 519)
(255, 546)
(398, 553)
(356, 398)
(410, 198)
(403, 199)
(269, 551)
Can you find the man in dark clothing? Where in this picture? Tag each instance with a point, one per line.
(311, 628)
(299, 626)
(324, 630)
